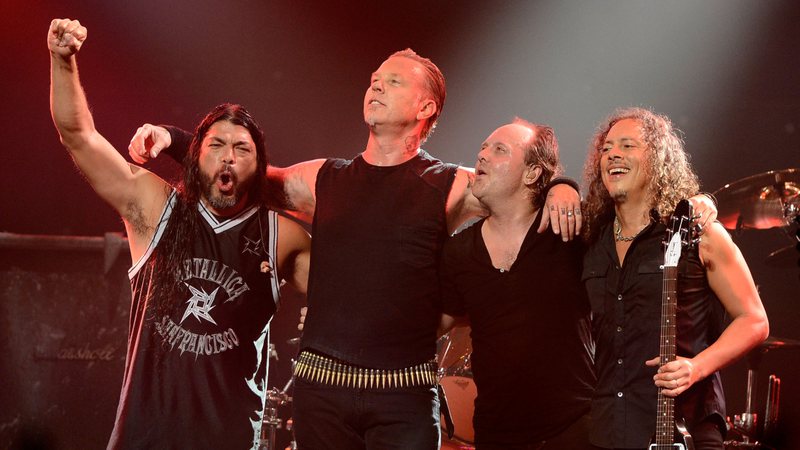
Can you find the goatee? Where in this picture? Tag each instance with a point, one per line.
(218, 200)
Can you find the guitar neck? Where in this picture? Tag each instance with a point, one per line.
(665, 422)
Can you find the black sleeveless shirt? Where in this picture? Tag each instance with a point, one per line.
(196, 378)
(373, 290)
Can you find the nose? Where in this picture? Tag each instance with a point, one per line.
(614, 153)
(482, 155)
(228, 155)
(377, 86)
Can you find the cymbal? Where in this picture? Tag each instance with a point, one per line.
(773, 342)
(766, 200)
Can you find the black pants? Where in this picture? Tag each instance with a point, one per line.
(333, 417)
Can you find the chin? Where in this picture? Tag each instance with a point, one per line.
(478, 193)
(223, 205)
(221, 202)
(619, 196)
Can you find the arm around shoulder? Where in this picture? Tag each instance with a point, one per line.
(293, 188)
(461, 204)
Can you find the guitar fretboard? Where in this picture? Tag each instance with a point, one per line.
(665, 422)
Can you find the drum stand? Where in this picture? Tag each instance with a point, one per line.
(271, 422)
(746, 424)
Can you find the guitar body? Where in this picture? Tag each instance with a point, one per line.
(680, 426)
(671, 432)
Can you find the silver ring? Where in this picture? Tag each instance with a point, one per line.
(569, 213)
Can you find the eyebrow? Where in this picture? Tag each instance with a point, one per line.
(390, 74)
(608, 141)
(221, 141)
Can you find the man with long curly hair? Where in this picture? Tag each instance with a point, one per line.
(636, 172)
(208, 258)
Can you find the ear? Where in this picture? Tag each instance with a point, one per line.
(532, 173)
(427, 108)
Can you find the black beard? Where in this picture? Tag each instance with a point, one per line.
(221, 202)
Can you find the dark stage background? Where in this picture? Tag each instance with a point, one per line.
(726, 71)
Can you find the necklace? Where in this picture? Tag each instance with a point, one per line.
(618, 232)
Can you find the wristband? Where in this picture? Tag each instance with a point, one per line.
(563, 180)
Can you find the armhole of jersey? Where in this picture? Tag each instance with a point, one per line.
(272, 219)
(162, 225)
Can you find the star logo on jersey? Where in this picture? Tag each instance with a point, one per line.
(200, 305)
(251, 246)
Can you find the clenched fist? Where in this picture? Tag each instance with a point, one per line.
(65, 37)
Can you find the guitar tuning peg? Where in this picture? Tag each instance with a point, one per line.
(697, 230)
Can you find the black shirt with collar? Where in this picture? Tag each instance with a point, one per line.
(626, 319)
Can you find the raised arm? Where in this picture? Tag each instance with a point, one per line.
(136, 194)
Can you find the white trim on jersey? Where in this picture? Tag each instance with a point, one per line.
(162, 225)
(263, 342)
(226, 224)
(273, 256)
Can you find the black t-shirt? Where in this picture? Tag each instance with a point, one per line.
(532, 350)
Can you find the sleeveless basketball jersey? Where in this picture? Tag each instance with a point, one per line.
(196, 378)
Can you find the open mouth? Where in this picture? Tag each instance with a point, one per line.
(618, 171)
(225, 182)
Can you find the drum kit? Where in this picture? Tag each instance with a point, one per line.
(769, 200)
(275, 399)
(762, 201)
(455, 378)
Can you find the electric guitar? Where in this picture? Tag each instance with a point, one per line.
(679, 234)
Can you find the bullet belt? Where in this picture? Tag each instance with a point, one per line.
(332, 372)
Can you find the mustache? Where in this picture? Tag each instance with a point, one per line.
(225, 171)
